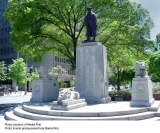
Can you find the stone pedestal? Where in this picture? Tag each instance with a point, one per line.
(44, 90)
(142, 95)
(91, 74)
(68, 104)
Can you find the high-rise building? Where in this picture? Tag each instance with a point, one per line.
(6, 50)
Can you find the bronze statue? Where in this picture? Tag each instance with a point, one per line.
(91, 24)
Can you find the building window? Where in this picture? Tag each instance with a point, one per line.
(55, 58)
(0, 51)
(11, 50)
(8, 50)
(5, 29)
(5, 51)
(2, 30)
(1, 41)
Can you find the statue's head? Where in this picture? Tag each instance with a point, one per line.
(89, 9)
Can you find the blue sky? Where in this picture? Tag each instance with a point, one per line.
(153, 6)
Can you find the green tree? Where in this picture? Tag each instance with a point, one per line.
(59, 73)
(57, 25)
(72, 83)
(158, 38)
(33, 75)
(157, 41)
(2, 71)
(127, 75)
(18, 71)
(154, 66)
(121, 65)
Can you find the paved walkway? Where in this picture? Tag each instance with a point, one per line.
(20, 93)
(8, 102)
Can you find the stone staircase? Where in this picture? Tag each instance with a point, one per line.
(42, 111)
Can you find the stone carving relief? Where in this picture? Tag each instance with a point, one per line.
(140, 87)
(43, 72)
(68, 94)
(37, 88)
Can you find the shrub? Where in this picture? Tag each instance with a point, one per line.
(156, 89)
(113, 93)
(123, 93)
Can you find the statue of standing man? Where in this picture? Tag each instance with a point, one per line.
(91, 24)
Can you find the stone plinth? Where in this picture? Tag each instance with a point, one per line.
(142, 92)
(45, 90)
(91, 74)
(68, 104)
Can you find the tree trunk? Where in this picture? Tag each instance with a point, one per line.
(25, 88)
(118, 80)
(75, 46)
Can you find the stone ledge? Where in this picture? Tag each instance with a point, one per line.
(26, 115)
(90, 44)
(68, 102)
(68, 107)
(141, 103)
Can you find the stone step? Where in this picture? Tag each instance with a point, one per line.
(69, 102)
(82, 112)
(68, 107)
(11, 116)
(152, 119)
(21, 113)
(154, 107)
(2, 118)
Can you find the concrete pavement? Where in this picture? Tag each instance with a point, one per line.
(15, 98)
(9, 102)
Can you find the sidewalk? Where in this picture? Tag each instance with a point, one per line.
(20, 93)
(15, 98)
(7, 102)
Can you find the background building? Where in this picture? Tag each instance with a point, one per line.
(7, 52)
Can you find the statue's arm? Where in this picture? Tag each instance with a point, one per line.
(95, 20)
(85, 20)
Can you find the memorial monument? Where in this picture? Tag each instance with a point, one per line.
(141, 87)
(45, 88)
(91, 65)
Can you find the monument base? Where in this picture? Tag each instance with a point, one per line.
(44, 90)
(142, 92)
(142, 103)
(99, 101)
(68, 104)
(91, 73)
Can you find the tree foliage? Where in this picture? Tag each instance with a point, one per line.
(157, 42)
(17, 71)
(33, 75)
(121, 65)
(57, 26)
(154, 66)
(2, 71)
(158, 38)
(121, 62)
(59, 73)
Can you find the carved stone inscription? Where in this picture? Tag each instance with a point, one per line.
(90, 71)
(37, 88)
(140, 92)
